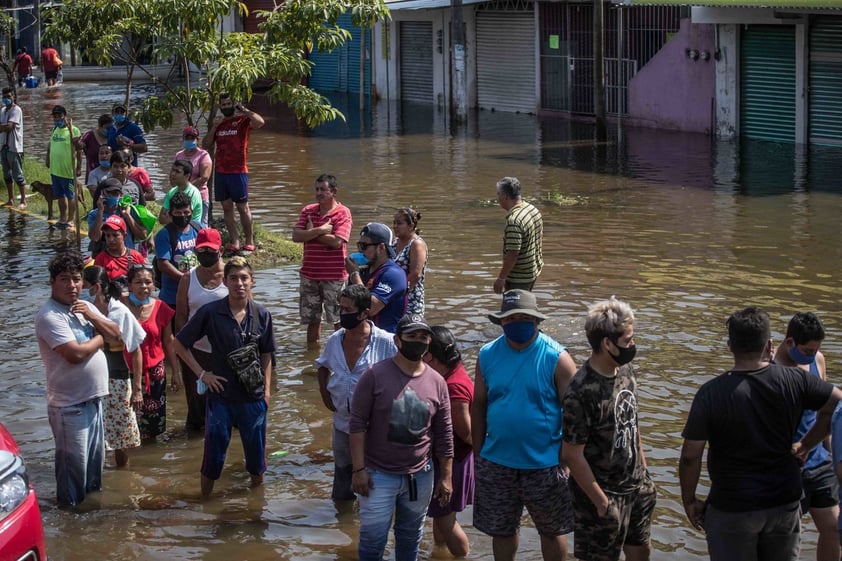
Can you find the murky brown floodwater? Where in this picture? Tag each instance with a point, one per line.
(685, 230)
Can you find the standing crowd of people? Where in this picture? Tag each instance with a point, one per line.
(414, 436)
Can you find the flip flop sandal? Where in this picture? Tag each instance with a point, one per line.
(230, 251)
(246, 250)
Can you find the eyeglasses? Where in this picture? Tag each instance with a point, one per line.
(362, 246)
(142, 266)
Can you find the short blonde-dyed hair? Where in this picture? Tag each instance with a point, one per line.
(608, 318)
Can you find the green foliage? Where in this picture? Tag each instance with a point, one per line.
(187, 34)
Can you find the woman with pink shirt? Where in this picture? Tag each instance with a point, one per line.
(202, 166)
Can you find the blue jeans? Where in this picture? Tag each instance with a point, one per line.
(391, 496)
(80, 449)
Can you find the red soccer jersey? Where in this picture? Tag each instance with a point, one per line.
(117, 266)
(322, 263)
(232, 143)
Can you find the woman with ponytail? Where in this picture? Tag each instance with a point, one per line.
(124, 366)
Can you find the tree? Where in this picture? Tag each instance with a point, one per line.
(188, 34)
(7, 26)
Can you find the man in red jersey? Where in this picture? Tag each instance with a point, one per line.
(231, 179)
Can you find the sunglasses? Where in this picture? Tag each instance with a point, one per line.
(142, 266)
(362, 246)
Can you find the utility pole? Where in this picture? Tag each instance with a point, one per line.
(458, 80)
(599, 70)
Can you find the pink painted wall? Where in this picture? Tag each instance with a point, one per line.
(672, 91)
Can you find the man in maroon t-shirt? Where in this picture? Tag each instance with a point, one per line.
(23, 65)
(231, 179)
(324, 228)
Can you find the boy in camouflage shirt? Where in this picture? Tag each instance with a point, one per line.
(613, 495)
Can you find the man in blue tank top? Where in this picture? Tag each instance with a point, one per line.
(522, 374)
(804, 336)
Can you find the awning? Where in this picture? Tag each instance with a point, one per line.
(789, 4)
(423, 4)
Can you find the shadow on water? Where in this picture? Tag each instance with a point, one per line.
(685, 228)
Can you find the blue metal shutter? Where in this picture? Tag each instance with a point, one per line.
(353, 58)
(767, 83)
(826, 80)
(339, 71)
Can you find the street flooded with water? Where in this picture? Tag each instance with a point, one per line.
(685, 228)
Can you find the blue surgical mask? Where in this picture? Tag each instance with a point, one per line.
(119, 119)
(58, 123)
(189, 144)
(111, 202)
(800, 358)
(136, 301)
(105, 163)
(7, 101)
(520, 331)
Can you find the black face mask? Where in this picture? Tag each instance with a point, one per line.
(181, 221)
(625, 356)
(350, 320)
(413, 350)
(207, 259)
(227, 111)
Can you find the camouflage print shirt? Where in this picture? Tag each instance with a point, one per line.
(601, 413)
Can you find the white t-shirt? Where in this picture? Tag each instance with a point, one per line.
(12, 114)
(69, 384)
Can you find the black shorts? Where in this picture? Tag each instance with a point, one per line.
(52, 75)
(821, 487)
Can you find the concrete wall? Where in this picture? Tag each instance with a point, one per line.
(673, 91)
(386, 72)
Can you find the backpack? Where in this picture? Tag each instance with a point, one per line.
(173, 241)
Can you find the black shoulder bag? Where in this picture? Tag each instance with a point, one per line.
(245, 361)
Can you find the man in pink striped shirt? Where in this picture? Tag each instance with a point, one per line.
(324, 228)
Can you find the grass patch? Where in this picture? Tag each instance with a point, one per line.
(552, 198)
(273, 248)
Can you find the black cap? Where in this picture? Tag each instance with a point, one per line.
(413, 322)
(59, 109)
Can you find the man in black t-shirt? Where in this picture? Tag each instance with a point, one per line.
(749, 415)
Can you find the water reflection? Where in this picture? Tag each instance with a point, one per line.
(684, 228)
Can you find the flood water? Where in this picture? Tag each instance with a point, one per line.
(685, 229)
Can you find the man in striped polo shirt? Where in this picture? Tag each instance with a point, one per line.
(522, 239)
(323, 227)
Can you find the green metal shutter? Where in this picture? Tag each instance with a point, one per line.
(767, 83)
(826, 80)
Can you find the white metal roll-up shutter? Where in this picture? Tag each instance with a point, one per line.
(416, 62)
(506, 61)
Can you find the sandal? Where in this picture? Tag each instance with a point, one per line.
(247, 250)
(230, 251)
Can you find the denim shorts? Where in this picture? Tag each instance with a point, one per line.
(62, 187)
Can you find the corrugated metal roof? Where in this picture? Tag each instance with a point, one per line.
(423, 4)
(788, 4)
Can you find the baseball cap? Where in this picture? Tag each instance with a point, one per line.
(413, 322)
(191, 131)
(379, 233)
(209, 237)
(517, 302)
(115, 222)
(59, 109)
(119, 106)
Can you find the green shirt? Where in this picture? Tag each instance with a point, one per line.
(524, 233)
(195, 200)
(60, 152)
